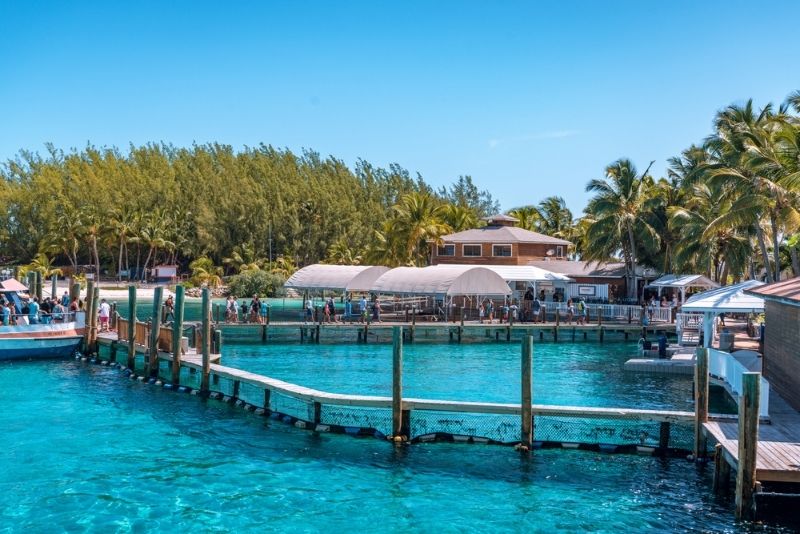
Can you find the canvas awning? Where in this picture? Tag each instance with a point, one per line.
(11, 284)
(726, 299)
(442, 280)
(522, 273)
(334, 277)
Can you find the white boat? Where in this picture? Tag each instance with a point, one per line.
(53, 336)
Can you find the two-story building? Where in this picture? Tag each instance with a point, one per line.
(500, 242)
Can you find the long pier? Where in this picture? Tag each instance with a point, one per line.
(471, 331)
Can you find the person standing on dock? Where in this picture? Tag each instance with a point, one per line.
(104, 313)
(309, 311)
(6, 313)
(570, 311)
(230, 310)
(581, 312)
(169, 314)
(264, 306)
(537, 309)
(348, 307)
(376, 310)
(363, 308)
(65, 299)
(255, 310)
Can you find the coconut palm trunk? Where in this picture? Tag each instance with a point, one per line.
(633, 291)
(776, 249)
(762, 245)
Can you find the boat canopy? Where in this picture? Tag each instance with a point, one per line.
(12, 284)
(335, 277)
(522, 273)
(726, 299)
(441, 281)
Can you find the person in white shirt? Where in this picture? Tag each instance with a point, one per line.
(104, 313)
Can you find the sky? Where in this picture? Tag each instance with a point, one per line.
(531, 99)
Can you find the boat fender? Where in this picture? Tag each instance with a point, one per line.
(159, 383)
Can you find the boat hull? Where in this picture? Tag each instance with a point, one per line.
(40, 341)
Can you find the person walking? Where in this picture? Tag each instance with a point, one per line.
(104, 313)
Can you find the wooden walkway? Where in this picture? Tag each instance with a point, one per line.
(778, 457)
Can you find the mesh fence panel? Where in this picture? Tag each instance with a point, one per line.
(190, 377)
(251, 394)
(502, 428)
(595, 430)
(221, 384)
(287, 405)
(353, 416)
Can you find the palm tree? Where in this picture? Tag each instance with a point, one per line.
(418, 219)
(529, 217)
(619, 210)
(340, 253)
(204, 272)
(459, 218)
(243, 258)
(555, 219)
(123, 221)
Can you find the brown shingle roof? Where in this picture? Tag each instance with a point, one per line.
(582, 268)
(785, 290)
(502, 234)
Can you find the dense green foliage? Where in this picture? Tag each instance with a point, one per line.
(258, 208)
(729, 208)
(256, 282)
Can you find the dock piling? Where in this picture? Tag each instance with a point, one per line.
(131, 326)
(155, 328)
(399, 433)
(527, 393)
(177, 336)
(700, 402)
(87, 337)
(206, 334)
(749, 406)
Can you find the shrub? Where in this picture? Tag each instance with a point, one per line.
(256, 282)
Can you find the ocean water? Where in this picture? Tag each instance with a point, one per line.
(83, 449)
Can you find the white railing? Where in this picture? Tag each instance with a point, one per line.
(618, 312)
(728, 369)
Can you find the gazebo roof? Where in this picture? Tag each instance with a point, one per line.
(442, 280)
(727, 299)
(683, 281)
(335, 277)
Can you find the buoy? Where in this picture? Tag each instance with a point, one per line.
(159, 383)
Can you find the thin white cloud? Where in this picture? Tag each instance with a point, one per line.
(556, 134)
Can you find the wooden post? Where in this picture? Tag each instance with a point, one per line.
(206, 317)
(700, 401)
(663, 435)
(131, 327)
(558, 317)
(749, 405)
(217, 342)
(95, 306)
(722, 472)
(54, 286)
(269, 310)
(413, 323)
(461, 326)
(177, 336)
(39, 285)
(87, 338)
(397, 384)
(630, 315)
(155, 328)
(599, 315)
(526, 440)
(74, 291)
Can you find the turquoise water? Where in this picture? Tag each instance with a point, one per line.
(578, 374)
(85, 450)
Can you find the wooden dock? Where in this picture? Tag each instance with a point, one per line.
(778, 454)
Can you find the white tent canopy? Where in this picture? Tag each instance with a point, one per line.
(363, 281)
(726, 299)
(442, 280)
(523, 273)
(683, 281)
(334, 277)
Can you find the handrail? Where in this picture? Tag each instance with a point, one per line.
(723, 366)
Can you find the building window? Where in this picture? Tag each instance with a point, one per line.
(560, 251)
(472, 251)
(446, 250)
(502, 251)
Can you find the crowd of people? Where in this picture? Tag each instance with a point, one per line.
(254, 312)
(35, 311)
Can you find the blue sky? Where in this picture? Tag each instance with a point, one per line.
(529, 98)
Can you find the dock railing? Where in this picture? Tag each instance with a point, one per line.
(725, 368)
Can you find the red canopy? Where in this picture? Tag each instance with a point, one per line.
(12, 285)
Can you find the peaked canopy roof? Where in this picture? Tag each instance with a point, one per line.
(683, 280)
(335, 277)
(727, 299)
(526, 273)
(441, 280)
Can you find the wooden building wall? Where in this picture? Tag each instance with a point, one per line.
(781, 365)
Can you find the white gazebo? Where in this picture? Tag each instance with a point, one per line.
(726, 299)
(682, 282)
(528, 275)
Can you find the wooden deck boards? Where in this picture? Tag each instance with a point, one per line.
(778, 457)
